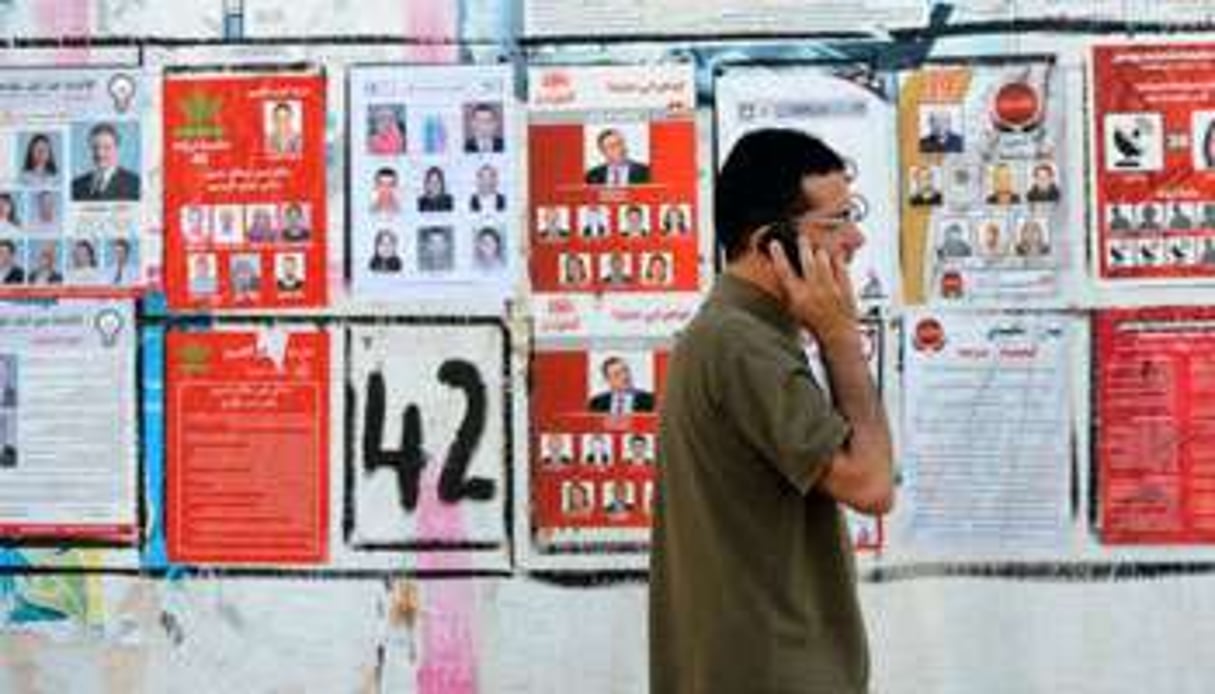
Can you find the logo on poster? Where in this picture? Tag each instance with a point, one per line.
(556, 87)
(200, 113)
(194, 358)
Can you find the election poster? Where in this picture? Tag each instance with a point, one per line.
(68, 464)
(72, 194)
(434, 202)
(1154, 163)
(1001, 379)
(247, 442)
(244, 206)
(1154, 438)
(988, 219)
(853, 111)
(594, 427)
(427, 442)
(613, 209)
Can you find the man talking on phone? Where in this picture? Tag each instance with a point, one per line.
(752, 584)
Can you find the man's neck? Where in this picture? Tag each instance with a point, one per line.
(752, 269)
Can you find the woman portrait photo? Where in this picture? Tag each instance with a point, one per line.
(83, 265)
(283, 128)
(434, 197)
(674, 220)
(487, 250)
(386, 129)
(1031, 240)
(10, 219)
(39, 166)
(385, 257)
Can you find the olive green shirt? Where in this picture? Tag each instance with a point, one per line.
(752, 585)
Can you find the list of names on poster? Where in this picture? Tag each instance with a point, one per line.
(67, 411)
(71, 181)
(1154, 167)
(985, 208)
(245, 198)
(248, 445)
(433, 182)
(1001, 380)
(1156, 425)
(613, 208)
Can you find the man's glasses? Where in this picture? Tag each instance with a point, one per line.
(854, 213)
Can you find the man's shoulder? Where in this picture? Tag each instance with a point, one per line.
(720, 328)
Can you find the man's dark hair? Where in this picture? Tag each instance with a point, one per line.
(484, 107)
(105, 129)
(386, 172)
(609, 363)
(605, 134)
(761, 182)
(11, 246)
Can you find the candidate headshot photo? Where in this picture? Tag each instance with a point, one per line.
(261, 223)
(202, 276)
(1043, 183)
(245, 275)
(577, 498)
(283, 128)
(45, 210)
(553, 223)
(489, 254)
(289, 273)
(618, 497)
(940, 129)
(596, 450)
(573, 269)
(228, 224)
(385, 191)
(656, 269)
(12, 261)
(296, 227)
(39, 158)
(620, 383)
(638, 449)
(483, 127)
(436, 249)
(617, 155)
(386, 129)
(385, 254)
(121, 263)
(592, 221)
(195, 224)
(923, 189)
(105, 161)
(84, 262)
(556, 449)
(634, 220)
(46, 267)
(615, 268)
(486, 196)
(435, 197)
(675, 219)
(12, 217)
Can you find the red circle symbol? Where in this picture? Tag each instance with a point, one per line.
(1017, 106)
(929, 335)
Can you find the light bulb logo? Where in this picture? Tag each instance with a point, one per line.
(108, 323)
(122, 91)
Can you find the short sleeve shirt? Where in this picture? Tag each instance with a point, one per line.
(752, 585)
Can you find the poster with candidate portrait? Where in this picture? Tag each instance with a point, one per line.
(433, 184)
(852, 110)
(427, 448)
(72, 156)
(244, 206)
(1154, 163)
(247, 445)
(613, 210)
(594, 428)
(988, 219)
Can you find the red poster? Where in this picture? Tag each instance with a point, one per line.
(594, 429)
(613, 180)
(1156, 425)
(244, 201)
(248, 442)
(1154, 107)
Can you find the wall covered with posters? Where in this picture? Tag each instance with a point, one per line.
(332, 362)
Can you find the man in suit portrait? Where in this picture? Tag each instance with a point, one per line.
(940, 137)
(621, 397)
(107, 180)
(617, 169)
(487, 198)
(484, 129)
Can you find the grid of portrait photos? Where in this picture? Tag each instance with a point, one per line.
(595, 445)
(432, 190)
(628, 231)
(1160, 234)
(263, 246)
(990, 189)
(69, 205)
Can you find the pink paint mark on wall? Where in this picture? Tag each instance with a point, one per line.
(71, 18)
(448, 606)
(432, 20)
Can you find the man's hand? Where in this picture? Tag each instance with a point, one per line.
(822, 299)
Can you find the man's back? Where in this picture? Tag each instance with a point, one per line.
(752, 585)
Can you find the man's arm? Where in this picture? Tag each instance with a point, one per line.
(860, 474)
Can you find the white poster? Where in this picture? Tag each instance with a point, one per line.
(72, 189)
(987, 432)
(433, 185)
(428, 454)
(67, 422)
(853, 112)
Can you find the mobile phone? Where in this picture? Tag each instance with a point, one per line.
(784, 232)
